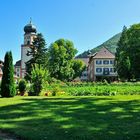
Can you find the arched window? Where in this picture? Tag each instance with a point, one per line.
(28, 42)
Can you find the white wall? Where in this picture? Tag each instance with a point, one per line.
(102, 66)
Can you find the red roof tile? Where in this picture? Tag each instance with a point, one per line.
(104, 53)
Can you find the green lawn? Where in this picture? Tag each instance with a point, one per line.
(72, 118)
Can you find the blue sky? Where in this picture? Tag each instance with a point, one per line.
(87, 23)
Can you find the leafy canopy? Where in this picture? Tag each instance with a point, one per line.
(61, 60)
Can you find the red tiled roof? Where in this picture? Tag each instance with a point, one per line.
(104, 53)
(1, 62)
(18, 63)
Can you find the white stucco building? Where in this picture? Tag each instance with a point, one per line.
(101, 65)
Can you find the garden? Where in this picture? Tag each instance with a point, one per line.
(59, 88)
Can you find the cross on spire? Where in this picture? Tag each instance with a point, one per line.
(30, 20)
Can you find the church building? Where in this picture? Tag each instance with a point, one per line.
(29, 35)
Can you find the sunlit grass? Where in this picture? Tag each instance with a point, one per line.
(71, 118)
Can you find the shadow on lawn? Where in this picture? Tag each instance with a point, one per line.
(73, 119)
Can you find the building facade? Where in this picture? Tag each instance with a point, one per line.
(1, 67)
(29, 35)
(101, 66)
(18, 68)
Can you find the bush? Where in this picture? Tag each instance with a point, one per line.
(22, 87)
(39, 76)
(31, 91)
(55, 91)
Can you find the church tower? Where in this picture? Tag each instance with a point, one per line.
(29, 35)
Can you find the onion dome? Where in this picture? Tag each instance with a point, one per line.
(30, 28)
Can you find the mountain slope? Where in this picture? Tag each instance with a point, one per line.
(110, 44)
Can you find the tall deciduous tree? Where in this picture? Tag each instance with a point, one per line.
(38, 53)
(61, 56)
(8, 85)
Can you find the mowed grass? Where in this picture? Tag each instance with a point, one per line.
(71, 118)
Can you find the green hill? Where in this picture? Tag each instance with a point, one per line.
(110, 44)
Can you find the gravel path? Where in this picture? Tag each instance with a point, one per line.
(7, 136)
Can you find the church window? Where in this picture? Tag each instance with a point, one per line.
(28, 42)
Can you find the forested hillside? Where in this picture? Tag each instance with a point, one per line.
(110, 44)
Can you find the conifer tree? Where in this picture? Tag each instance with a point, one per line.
(133, 51)
(123, 65)
(38, 55)
(8, 85)
(128, 53)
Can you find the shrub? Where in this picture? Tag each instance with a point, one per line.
(22, 87)
(31, 91)
(39, 76)
(55, 91)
